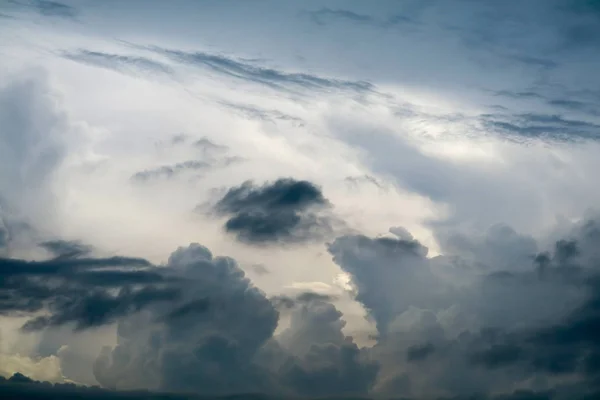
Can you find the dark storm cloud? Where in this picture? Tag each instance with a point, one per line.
(284, 211)
(289, 302)
(419, 352)
(85, 292)
(21, 387)
(536, 312)
(99, 307)
(568, 346)
(271, 77)
(324, 361)
(207, 344)
(375, 264)
(117, 62)
(190, 308)
(216, 335)
(66, 249)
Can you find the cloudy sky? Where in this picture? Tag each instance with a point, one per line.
(391, 198)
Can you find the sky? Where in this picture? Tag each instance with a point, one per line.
(300, 199)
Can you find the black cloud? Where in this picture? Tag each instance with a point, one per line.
(284, 211)
(206, 345)
(536, 313)
(198, 325)
(66, 249)
(289, 302)
(419, 352)
(85, 292)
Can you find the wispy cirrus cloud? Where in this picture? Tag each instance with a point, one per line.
(328, 15)
(120, 63)
(544, 126)
(258, 74)
(48, 8)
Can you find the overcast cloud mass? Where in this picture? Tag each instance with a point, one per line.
(300, 199)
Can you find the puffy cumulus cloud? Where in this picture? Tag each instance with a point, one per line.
(196, 324)
(324, 361)
(389, 273)
(207, 345)
(500, 247)
(448, 325)
(283, 211)
(476, 322)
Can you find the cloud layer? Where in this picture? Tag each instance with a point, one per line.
(290, 200)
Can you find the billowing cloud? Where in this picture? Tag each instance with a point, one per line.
(513, 318)
(326, 362)
(434, 243)
(206, 346)
(378, 267)
(33, 143)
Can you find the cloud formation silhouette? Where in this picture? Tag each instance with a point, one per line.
(284, 211)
